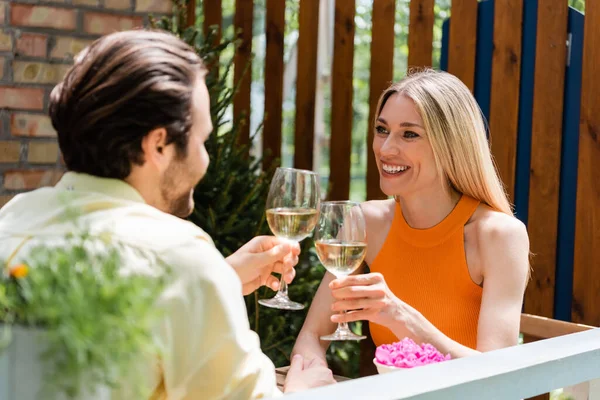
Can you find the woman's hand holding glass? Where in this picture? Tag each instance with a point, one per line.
(341, 243)
(368, 298)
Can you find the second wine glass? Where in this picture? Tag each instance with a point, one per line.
(292, 212)
(341, 242)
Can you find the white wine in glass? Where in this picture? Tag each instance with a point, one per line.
(292, 223)
(341, 243)
(341, 258)
(292, 213)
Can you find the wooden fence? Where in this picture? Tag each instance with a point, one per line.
(543, 62)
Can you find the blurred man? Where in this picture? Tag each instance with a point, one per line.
(132, 116)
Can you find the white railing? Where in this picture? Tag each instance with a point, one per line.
(513, 373)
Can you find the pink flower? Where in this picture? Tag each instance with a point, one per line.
(407, 354)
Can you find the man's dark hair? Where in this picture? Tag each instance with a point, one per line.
(120, 88)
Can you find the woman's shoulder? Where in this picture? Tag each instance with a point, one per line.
(379, 215)
(489, 224)
(379, 210)
(497, 236)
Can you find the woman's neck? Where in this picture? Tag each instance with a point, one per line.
(424, 210)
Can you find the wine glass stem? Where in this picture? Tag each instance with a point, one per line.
(283, 288)
(343, 326)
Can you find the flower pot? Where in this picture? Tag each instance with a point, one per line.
(382, 368)
(22, 373)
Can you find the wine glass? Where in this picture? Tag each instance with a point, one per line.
(292, 213)
(341, 242)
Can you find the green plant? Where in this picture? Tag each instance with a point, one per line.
(99, 323)
(577, 4)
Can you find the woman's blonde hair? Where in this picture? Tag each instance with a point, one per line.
(457, 133)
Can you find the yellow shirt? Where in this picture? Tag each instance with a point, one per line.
(210, 352)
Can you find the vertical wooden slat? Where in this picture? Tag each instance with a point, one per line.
(563, 290)
(191, 13)
(586, 274)
(463, 38)
(341, 100)
(244, 10)
(382, 73)
(546, 135)
(367, 351)
(275, 21)
(213, 15)
(506, 69)
(420, 33)
(306, 84)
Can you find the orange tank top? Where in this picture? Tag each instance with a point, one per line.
(427, 269)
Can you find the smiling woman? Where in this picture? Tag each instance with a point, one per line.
(448, 260)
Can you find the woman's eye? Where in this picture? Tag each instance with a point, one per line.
(381, 130)
(410, 135)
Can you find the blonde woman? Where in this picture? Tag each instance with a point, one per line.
(448, 260)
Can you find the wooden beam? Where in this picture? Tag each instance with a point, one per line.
(275, 21)
(306, 84)
(420, 33)
(546, 135)
(463, 39)
(213, 15)
(506, 72)
(586, 279)
(191, 13)
(341, 100)
(242, 74)
(382, 73)
(546, 328)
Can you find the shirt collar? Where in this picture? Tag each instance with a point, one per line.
(81, 182)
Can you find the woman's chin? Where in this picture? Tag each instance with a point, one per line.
(390, 190)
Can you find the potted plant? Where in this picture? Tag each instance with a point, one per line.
(72, 323)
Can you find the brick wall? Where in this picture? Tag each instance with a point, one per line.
(38, 40)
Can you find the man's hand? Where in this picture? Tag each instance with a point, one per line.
(304, 374)
(256, 260)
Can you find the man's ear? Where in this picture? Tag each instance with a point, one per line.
(154, 146)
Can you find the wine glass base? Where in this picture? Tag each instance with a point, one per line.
(282, 303)
(343, 335)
